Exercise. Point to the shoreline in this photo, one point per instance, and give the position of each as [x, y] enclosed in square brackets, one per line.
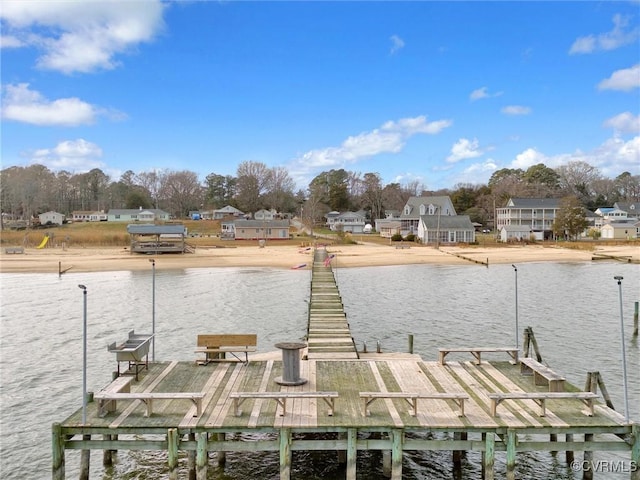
[78, 259]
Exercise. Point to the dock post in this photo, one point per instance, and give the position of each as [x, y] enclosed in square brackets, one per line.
[512, 440]
[107, 454]
[221, 457]
[57, 444]
[201, 455]
[85, 460]
[342, 454]
[635, 451]
[635, 319]
[386, 463]
[397, 437]
[285, 454]
[172, 451]
[569, 453]
[489, 455]
[352, 453]
[587, 464]
[410, 343]
[457, 457]
[191, 458]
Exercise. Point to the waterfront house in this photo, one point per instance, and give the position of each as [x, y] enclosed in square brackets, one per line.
[434, 229]
[137, 215]
[53, 218]
[417, 207]
[261, 229]
[88, 216]
[632, 209]
[331, 219]
[223, 212]
[352, 222]
[264, 214]
[535, 214]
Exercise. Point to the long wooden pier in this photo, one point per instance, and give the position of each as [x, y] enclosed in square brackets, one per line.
[419, 405]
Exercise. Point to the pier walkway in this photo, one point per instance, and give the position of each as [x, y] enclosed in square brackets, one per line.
[387, 402]
[328, 334]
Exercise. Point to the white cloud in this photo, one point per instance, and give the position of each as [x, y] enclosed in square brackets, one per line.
[21, 104]
[72, 155]
[624, 122]
[625, 80]
[516, 110]
[389, 138]
[81, 36]
[463, 149]
[616, 38]
[9, 41]
[396, 44]
[482, 92]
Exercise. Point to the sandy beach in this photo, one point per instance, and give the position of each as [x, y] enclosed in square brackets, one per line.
[78, 259]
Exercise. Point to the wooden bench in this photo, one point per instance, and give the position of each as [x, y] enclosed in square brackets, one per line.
[412, 398]
[541, 397]
[542, 375]
[215, 347]
[282, 397]
[478, 351]
[148, 397]
[119, 385]
[14, 250]
[400, 246]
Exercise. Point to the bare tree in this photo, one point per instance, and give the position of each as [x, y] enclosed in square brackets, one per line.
[183, 192]
[279, 190]
[577, 178]
[251, 186]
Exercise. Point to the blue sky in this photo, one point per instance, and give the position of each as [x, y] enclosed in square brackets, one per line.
[436, 92]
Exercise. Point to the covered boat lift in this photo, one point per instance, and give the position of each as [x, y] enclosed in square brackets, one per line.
[150, 238]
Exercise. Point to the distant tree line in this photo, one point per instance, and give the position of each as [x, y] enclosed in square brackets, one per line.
[28, 191]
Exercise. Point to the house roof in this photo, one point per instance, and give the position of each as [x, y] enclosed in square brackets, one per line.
[415, 202]
[533, 203]
[261, 223]
[133, 211]
[516, 228]
[150, 229]
[229, 209]
[447, 222]
[628, 207]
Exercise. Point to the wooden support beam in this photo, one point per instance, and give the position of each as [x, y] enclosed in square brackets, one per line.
[489, 455]
[285, 454]
[352, 453]
[191, 458]
[457, 457]
[397, 437]
[85, 461]
[587, 464]
[569, 453]
[202, 455]
[172, 453]
[221, 457]
[512, 440]
[57, 443]
[635, 450]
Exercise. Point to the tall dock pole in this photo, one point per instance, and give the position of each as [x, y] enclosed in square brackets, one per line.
[624, 355]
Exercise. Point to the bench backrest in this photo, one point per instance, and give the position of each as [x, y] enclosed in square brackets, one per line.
[228, 340]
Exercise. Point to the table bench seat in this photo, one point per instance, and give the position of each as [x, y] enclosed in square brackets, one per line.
[541, 397]
[119, 385]
[478, 351]
[542, 375]
[216, 347]
[148, 397]
[412, 398]
[281, 398]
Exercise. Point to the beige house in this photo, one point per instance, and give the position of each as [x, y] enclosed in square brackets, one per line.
[620, 231]
[261, 229]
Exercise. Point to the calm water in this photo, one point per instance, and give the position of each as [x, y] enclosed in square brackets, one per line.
[573, 309]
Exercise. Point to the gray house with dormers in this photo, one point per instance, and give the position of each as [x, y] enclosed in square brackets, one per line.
[417, 207]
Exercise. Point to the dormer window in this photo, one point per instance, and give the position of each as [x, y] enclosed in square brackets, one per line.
[423, 210]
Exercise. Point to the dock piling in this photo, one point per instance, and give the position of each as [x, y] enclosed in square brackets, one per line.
[410, 343]
[488, 455]
[512, 440]
[201, 455]
[587, 464]
[191, 458]
[85, 460]
[172, 453]
[57, 442]
[285, 454]
[569, 453]
[352, 453]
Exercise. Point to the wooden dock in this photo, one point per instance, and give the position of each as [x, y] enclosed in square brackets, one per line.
[412, 411]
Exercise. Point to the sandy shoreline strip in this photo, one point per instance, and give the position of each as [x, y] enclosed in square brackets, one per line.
[78, 259]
